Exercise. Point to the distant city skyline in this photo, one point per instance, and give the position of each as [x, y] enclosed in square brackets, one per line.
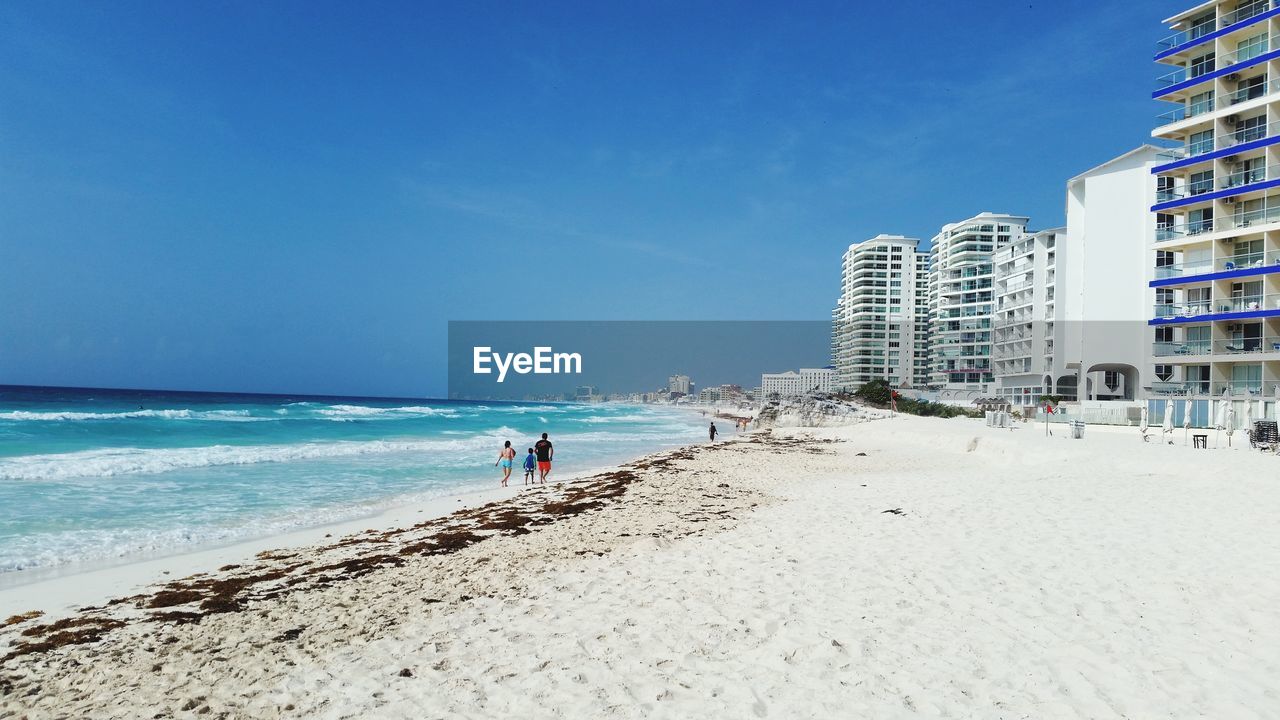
[193, 198]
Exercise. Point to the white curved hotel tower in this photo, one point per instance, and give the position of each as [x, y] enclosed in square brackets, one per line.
[1215, 326]
[962, 299]
[880, 323]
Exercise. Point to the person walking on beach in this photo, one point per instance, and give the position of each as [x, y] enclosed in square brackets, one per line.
[529, 464]
[713, 432]
[545, 453]
[505, 459]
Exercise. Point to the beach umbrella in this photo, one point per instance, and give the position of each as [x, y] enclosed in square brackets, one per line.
[1220, 422]
[1186, 420]
[1168, 419]
[1231, 422]
[1248, 416]
[1144, 424]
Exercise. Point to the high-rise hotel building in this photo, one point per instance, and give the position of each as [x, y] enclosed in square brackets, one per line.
[880, 322]
[1215, 324]
[962, 299]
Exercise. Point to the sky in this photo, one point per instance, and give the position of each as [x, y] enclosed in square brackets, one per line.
[297, 197]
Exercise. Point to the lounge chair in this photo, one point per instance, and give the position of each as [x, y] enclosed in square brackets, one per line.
[1265, 435]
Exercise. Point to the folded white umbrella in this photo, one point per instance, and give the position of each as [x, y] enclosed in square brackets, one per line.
[1168, 417]
[1248, 416]
[1221, 422]
[1186, 420]
[1231, 422]
[1144, 424]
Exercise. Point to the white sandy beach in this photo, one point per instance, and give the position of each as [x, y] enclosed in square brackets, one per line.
[1018, 576]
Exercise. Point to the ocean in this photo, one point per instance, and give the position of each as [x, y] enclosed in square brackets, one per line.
[92, 477]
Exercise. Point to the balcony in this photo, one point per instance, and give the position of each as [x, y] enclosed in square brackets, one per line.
[1240, 304]
[1244, 346]
[1195, 227]
[1191, 34]
[1241, 14]
[1188, 347]
[1222, 142]
[1205, 267]
[1204, 388]
[1245, 178]
[1244, 12]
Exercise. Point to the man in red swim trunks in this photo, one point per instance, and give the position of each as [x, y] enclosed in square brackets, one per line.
[544, 452]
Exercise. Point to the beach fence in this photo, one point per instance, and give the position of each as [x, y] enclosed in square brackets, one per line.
[1203, 410]
[1065, 414]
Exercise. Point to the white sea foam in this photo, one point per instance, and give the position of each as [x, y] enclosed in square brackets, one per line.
[357, 411]
[125, 461]
[56, 416]
[110, 462]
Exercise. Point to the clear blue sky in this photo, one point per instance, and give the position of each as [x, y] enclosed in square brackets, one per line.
[296, 197]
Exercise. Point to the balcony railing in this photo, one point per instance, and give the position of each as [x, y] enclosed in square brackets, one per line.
[1219, 306]
[1188, 347]
[1248, 177]
[1177, 230]
[1247, 134]
[1222, 142]
[1184, 111]
[1195, 32]
[1170, 79]
[1243, 346]
[1248, 92]
[1244, 12]
[1204, 267]
[1185, 309]
[1205, 388]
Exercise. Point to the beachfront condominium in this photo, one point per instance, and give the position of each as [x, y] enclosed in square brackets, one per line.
[1026, 315]
[1101, 348]
[879, 327]
[1215, 324]
[1071, 302]
[679, 384]
[793, 384]
[962, 300]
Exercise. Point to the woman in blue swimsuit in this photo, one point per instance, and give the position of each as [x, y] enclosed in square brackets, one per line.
[505, 459]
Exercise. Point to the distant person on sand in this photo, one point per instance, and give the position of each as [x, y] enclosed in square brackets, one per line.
[713, 432]
[529, 464]
[545, 452]
[505, 459]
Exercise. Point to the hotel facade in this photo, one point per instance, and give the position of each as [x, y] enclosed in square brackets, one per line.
[880, 322]
[1027, 317]
[1215, 321]
[962, 300]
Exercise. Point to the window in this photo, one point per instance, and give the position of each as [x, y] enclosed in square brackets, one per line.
[1164, 372]
[1200, 143]
[1250, 129]
[1201, 65]
[1246, 378]
[1200, 103]
[1202, 26]
[1197, 377]
[1251, 47]
[1250, 88]
[1164, 258]
[1199, 221]
[1164, 334]
[1200, 183]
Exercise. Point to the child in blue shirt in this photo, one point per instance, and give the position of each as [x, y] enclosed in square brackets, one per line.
[530, 462]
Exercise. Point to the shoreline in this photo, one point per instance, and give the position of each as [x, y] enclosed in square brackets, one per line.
[61, 590]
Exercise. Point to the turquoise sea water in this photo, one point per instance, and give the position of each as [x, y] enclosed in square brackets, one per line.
[93, 476]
